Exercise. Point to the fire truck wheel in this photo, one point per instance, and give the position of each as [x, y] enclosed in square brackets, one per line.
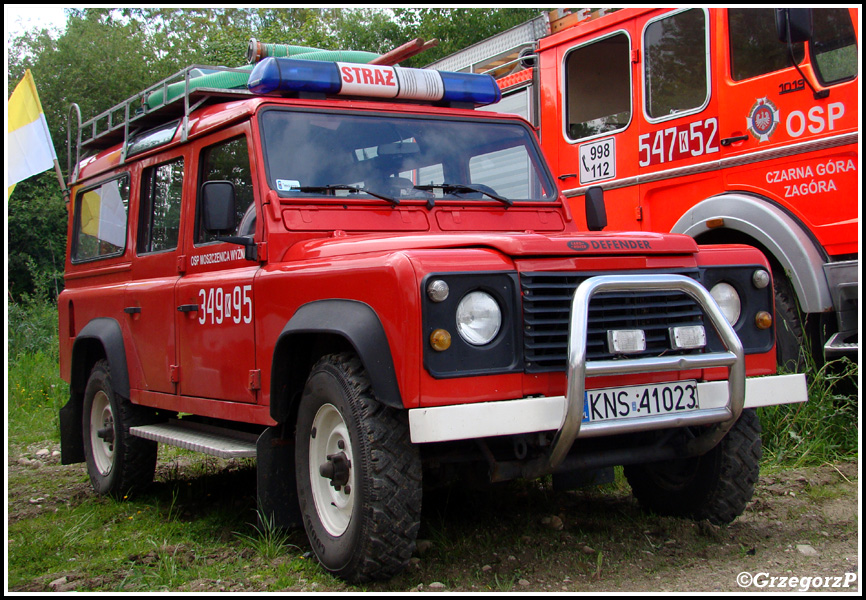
[790, 352]
[118, 462]
[359, 476]
[716, 486]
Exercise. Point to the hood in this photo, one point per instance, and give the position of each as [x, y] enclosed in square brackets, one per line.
[510, 244]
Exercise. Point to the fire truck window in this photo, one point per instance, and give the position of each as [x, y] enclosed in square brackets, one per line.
[507, 172]
[755, 49]
[598, 87]
[159, 220]
[100, 221]
[834, 45]
[675, 63]
[229, 161]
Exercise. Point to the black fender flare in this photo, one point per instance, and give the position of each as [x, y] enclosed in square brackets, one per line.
[344, 324]
[100, 338]
[104, 332]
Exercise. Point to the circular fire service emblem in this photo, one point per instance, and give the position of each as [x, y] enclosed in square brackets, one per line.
[763, 119]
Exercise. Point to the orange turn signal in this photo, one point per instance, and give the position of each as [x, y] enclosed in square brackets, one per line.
[440, 340]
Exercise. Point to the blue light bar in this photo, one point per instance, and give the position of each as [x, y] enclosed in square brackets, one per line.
[275, 74]
[470, 87]
[292, 75]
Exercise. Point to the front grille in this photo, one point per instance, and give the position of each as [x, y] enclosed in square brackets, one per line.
[547, 305]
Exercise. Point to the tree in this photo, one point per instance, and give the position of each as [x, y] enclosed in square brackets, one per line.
[456, 28]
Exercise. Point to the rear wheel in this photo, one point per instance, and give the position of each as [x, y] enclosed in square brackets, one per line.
[359, 476]
[715, 486]
[118, 462]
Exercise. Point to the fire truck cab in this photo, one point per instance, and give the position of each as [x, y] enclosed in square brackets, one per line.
[348, 273]
[731, 125]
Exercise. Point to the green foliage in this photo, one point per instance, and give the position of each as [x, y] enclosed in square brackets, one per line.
[456, 28]
[823, 429]
[37, 238]
[269, 541]
[35, 391]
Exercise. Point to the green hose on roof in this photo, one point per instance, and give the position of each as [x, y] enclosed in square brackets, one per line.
[214, 79]
[256, 51]
[237, 80]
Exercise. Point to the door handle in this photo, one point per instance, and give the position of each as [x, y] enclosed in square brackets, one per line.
[132, 310]
[733, 140]
[186, 308]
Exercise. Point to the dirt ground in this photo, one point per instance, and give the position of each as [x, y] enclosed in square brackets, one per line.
[799, 533]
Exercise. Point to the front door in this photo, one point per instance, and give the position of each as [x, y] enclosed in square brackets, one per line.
[215, 300]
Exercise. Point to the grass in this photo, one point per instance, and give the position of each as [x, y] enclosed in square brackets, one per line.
[822, 430]
[198, 528]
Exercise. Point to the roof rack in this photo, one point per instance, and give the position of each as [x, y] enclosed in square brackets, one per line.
[176, 96]
[180, 94]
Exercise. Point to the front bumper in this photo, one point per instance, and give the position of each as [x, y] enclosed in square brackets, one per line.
[530, 415]
[721, 402]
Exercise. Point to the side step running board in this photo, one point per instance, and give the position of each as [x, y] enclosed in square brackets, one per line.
[216, 441]
[839, 345]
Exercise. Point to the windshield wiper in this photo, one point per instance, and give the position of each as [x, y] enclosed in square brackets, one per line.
[451, 188]
[349, 188]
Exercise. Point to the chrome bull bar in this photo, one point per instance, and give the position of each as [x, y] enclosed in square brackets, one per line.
[578, 368]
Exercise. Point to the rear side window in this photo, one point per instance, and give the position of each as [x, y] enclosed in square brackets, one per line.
[676, 77]
[100, 220]
[159, 221]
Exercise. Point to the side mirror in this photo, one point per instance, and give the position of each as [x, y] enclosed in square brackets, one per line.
[596, 216]
[794, 25]
[218, 206]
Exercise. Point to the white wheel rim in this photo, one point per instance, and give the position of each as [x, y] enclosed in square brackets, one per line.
[330, 436]
[101, 417]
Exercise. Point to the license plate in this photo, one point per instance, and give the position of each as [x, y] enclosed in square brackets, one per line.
[611, 404]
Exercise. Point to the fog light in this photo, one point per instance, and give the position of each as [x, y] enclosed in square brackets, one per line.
[687, 337]
[440, 340]
[626, 341]
[763, 320]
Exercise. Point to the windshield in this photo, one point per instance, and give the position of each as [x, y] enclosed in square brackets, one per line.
[395, 158]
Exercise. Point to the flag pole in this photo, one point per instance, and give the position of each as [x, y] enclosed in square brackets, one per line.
[63, 187]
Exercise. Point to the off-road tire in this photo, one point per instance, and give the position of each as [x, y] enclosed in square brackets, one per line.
[716, 486]
[371, 535]
[790, 336]
[121, 464]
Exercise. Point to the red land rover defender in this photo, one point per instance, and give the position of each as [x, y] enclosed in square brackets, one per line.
[348, 273]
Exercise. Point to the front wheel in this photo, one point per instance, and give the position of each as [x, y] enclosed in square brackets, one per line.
[359, 476]
[715, 486]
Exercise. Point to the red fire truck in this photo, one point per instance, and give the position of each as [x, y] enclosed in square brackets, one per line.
[729, 125]
[347, 272]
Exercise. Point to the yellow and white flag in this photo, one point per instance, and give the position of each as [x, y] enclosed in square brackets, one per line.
[29, 148]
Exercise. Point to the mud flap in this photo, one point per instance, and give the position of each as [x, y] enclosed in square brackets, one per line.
[71, 442]
[275, 479]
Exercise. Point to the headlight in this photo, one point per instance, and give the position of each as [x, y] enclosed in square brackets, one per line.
[728, 300]
[478, 318]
